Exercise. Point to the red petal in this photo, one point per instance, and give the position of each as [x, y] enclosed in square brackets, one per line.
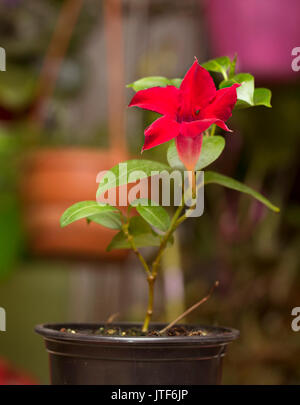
[221, 107]
[222, 125]
[197, 89]
[163, 100]
[162, 130]
[194, 128]
[189, 149]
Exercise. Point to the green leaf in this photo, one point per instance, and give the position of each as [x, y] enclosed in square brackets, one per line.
[147, 82]
[212, 148]
[142, 233]
[219, 65]
[83, 209]
[154, 81]
[121, 177]
[176, 82]
[216, 178]
[119, 241]
[245, 93]
[154, 214]
[108, 219]
[262, 96]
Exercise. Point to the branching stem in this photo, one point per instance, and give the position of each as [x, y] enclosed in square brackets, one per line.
[134, 248]
[151, 279]
[152, 271]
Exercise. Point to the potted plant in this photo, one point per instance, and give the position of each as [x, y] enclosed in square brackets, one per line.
[146, 353]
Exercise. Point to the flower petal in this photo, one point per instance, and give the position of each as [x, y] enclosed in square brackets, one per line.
[163, 100]
[196, 90]
[189, 149]
[194, 128]
[222, 105]
[222, 125]
[162, 130]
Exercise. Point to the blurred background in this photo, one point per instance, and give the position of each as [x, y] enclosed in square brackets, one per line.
[63, 118]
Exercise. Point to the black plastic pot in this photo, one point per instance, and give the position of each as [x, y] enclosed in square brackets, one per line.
[84, 359]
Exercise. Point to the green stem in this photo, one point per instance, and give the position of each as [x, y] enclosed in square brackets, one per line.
[151, 280]
[134, 248]
[186, 214]
[165, 240]
[153, 273]
[213, 130]
[225, 75]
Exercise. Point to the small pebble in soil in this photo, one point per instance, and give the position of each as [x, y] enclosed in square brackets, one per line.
[68, 330]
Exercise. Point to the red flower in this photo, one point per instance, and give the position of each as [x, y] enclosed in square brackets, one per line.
[187, 112]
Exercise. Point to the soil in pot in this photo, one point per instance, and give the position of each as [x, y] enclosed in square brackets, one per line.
[111, 330]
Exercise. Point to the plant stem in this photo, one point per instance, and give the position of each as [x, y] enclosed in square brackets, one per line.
[185, 215]
[225, 75]
[153, 273]
[213, 130]
[135, 250]
[151, 280]
[175, 222]
[166, 237]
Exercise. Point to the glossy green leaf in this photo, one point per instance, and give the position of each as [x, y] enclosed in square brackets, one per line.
[108, 219]
[154, 214]
[216, 178]
[122, 176]
[262, 96]
[219, 65]
[147, 82]
[83, 209]
[142, 233]
[212, 148]
[154, 81]
[245, 93]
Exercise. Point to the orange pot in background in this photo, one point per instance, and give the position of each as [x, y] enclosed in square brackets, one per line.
[51, 181]
[54, 179]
